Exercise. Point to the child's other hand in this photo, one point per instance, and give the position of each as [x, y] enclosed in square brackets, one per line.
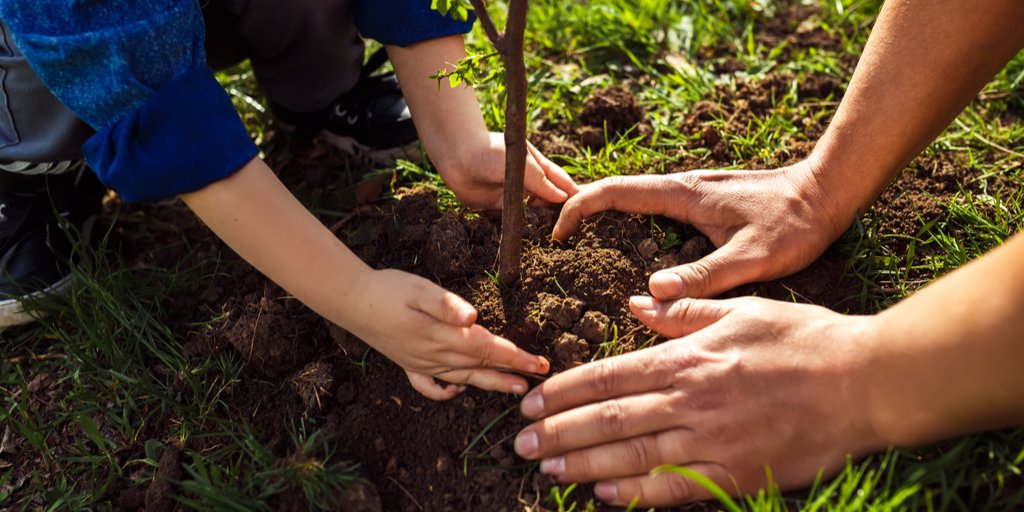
[430, 332]
[477, 174]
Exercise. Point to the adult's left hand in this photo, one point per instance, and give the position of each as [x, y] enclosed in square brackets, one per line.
[748, 383]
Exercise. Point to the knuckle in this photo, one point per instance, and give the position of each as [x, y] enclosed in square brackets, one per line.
[637, 454]
[603, 379]
[700, 277]
[679, 487]
[612, 418]
[486, 355]
[683, 309]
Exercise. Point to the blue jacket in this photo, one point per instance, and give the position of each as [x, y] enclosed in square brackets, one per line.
[135, 70]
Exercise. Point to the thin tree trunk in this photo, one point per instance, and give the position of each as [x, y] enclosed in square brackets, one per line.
[513, 218]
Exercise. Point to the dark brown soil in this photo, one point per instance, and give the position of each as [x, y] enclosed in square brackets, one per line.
[569, 306]
[609, 113]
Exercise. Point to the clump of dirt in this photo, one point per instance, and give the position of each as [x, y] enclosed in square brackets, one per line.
[159, 495]
[614, 111]
[272, 335]
[314, 384]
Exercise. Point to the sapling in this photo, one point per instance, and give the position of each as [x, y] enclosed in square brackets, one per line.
[509, 46]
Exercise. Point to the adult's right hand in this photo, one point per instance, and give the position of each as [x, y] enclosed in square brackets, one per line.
[765, 224]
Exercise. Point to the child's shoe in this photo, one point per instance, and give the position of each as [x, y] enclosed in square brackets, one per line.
[372, 120]
[35, 248]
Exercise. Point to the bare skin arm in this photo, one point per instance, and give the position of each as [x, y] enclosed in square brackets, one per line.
[469, 158]
[923, 63]
[425, 329]
[750, 383]
[412, 321]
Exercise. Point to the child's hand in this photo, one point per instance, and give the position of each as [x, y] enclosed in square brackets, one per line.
[477, 175]
[430, 332]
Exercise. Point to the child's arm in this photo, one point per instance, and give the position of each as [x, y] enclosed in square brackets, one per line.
[166, 128]
[469, 158]
[412, 321]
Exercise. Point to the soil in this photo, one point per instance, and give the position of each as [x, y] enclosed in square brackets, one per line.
[572, 298]
[571, 301]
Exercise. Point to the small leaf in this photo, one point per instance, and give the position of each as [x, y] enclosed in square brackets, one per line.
[92, 431]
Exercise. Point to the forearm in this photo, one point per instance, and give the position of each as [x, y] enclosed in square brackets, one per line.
[447, 118]
[947, 361]
[260, 220]
[924, 61]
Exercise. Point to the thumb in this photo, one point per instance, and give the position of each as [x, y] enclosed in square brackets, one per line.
[728, 267]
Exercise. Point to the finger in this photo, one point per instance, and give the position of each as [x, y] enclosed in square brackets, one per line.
[488, 380]
[728, 267]
[429, 388]
[636, 372]
[602, 422]
[664, 489]
[554, 172]
[624, 458]
[444, 305]
[485, 349]
[649, 195]
[538, 184]
[678, 318]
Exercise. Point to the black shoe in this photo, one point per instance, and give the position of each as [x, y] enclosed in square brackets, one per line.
[372, 120]
[35, 248]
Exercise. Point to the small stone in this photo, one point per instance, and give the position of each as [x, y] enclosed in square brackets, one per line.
[443, 464]
[647, 248]
[693, 249]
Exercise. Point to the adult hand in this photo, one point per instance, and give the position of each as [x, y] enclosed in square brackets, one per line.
[766, 224]
[752, 383]
[477, 174]
[431, 332]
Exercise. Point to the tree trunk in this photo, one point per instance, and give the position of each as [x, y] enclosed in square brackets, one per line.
[513, 217]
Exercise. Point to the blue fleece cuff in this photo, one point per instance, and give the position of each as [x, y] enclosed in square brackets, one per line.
[405, 22]
[185, 136]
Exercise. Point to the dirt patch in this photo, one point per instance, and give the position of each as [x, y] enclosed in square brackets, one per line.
[794, 28]
[732, 109]
[571, 303]
[610, 113]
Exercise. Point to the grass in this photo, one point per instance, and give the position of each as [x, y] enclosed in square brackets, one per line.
[123, 386]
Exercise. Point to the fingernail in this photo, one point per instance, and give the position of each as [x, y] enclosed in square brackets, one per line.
[518, 389]
[533, 405]
[667, 284]
[555, 466]
[527, 444]
[642, 302]
[607, 492]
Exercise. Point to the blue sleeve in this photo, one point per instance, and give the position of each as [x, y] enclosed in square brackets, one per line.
[405, 22]
[136, 72]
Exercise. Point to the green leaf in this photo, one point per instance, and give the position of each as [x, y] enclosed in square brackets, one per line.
[92, 431]
[701, 480]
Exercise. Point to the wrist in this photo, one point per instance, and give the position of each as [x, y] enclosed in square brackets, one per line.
[865, 401]
[458, 149]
